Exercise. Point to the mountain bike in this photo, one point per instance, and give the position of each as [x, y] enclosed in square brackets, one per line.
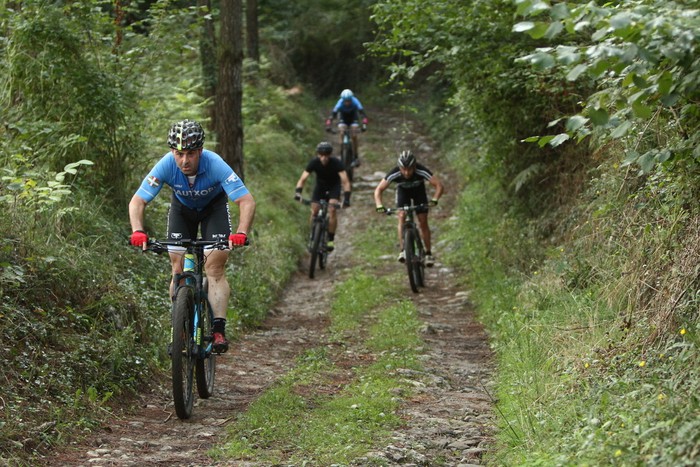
[191, 342]
[413, 248]
[318, 239]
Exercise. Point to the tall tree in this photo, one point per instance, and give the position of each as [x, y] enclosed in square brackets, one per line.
[252, 40]
[207, 50]
[229, 95]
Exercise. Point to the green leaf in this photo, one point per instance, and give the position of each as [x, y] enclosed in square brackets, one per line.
[541, 60]
[641, 110]
[621, 130]
[553, 30]
[575, 122]
[544, 140]
[576, 72]
[647, 161]
[523, 26]
[599, 116]
[531, 139]
[559, 139]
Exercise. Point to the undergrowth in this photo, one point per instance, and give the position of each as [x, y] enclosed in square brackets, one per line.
[595, 324]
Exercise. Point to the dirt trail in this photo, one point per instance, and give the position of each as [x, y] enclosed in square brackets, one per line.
[448, 420]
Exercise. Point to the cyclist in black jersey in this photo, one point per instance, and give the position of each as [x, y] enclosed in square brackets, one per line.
[330, 178]
[410, 178]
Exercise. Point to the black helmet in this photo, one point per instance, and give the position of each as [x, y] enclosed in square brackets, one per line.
[325, 148]
[406, 159]
[186, 134]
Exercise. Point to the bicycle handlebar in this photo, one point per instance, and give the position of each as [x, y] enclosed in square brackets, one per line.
[391, 211]
[161, 246]
[308, 202]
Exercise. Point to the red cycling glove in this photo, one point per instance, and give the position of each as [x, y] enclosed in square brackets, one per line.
[238, 239]
[364, 121]
[138, 238]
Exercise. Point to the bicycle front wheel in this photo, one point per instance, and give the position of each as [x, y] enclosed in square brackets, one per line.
[347, 156]
[323, 251]
[409, 247]
[181, 353]
[315, 247]
[206, 360]
[420, 263]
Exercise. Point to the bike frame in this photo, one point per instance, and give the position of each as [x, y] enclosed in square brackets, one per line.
[317, 246]
[197, 357]
[414, 253]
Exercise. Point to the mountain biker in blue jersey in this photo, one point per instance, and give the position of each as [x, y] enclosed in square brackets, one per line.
[348, 110]
[202, 183]
[330, 178]
[410, 178]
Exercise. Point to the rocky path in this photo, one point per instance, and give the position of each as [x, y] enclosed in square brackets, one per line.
[448, 419]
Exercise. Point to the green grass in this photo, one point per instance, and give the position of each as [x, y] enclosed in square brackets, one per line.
[596, 343]
[306, 419]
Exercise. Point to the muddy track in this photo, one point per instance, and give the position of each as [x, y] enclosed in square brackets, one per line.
[448, 418]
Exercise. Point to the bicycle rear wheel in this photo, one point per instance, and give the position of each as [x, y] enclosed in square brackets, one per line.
[409, 248]
[206, 360]
[181, 353]
[315, 246]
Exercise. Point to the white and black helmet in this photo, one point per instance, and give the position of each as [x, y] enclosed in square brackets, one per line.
[406, 159]
[186, 134]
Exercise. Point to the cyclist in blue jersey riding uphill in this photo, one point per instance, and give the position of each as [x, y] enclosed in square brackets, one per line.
[202, 183]
[348, 110]
[330, 178]
[410, 178]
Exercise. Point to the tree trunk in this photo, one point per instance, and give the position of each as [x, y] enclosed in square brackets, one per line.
[252, 40]
[229, 96]
[207, 51]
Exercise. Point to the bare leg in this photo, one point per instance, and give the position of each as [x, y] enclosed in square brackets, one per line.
[424, 230]
[219, 289]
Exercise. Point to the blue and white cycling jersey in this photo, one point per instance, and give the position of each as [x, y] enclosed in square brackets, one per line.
[214, 175]
[356, 106]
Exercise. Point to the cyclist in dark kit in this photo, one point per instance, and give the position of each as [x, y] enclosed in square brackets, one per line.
[202, 184]
[330, 178]
[410, 178]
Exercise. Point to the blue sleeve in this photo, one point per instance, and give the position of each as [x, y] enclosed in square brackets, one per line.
[357, 102]
[337, 105]
[152, 184]
[230, 181]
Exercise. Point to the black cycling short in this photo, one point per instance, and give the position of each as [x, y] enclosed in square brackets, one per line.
[418, 195]
[214, 219]
[326, 192]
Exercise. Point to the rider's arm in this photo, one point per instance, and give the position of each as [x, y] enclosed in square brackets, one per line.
[246, 205]
[137, 207]
[304, 175]
[437, 184]
[383, 185]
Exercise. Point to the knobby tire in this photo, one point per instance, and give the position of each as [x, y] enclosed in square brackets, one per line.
[410, 255]
[323, 251]
[346, 153]
[420, 263]
[315, 246]
[181, 353]
[206, 360]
